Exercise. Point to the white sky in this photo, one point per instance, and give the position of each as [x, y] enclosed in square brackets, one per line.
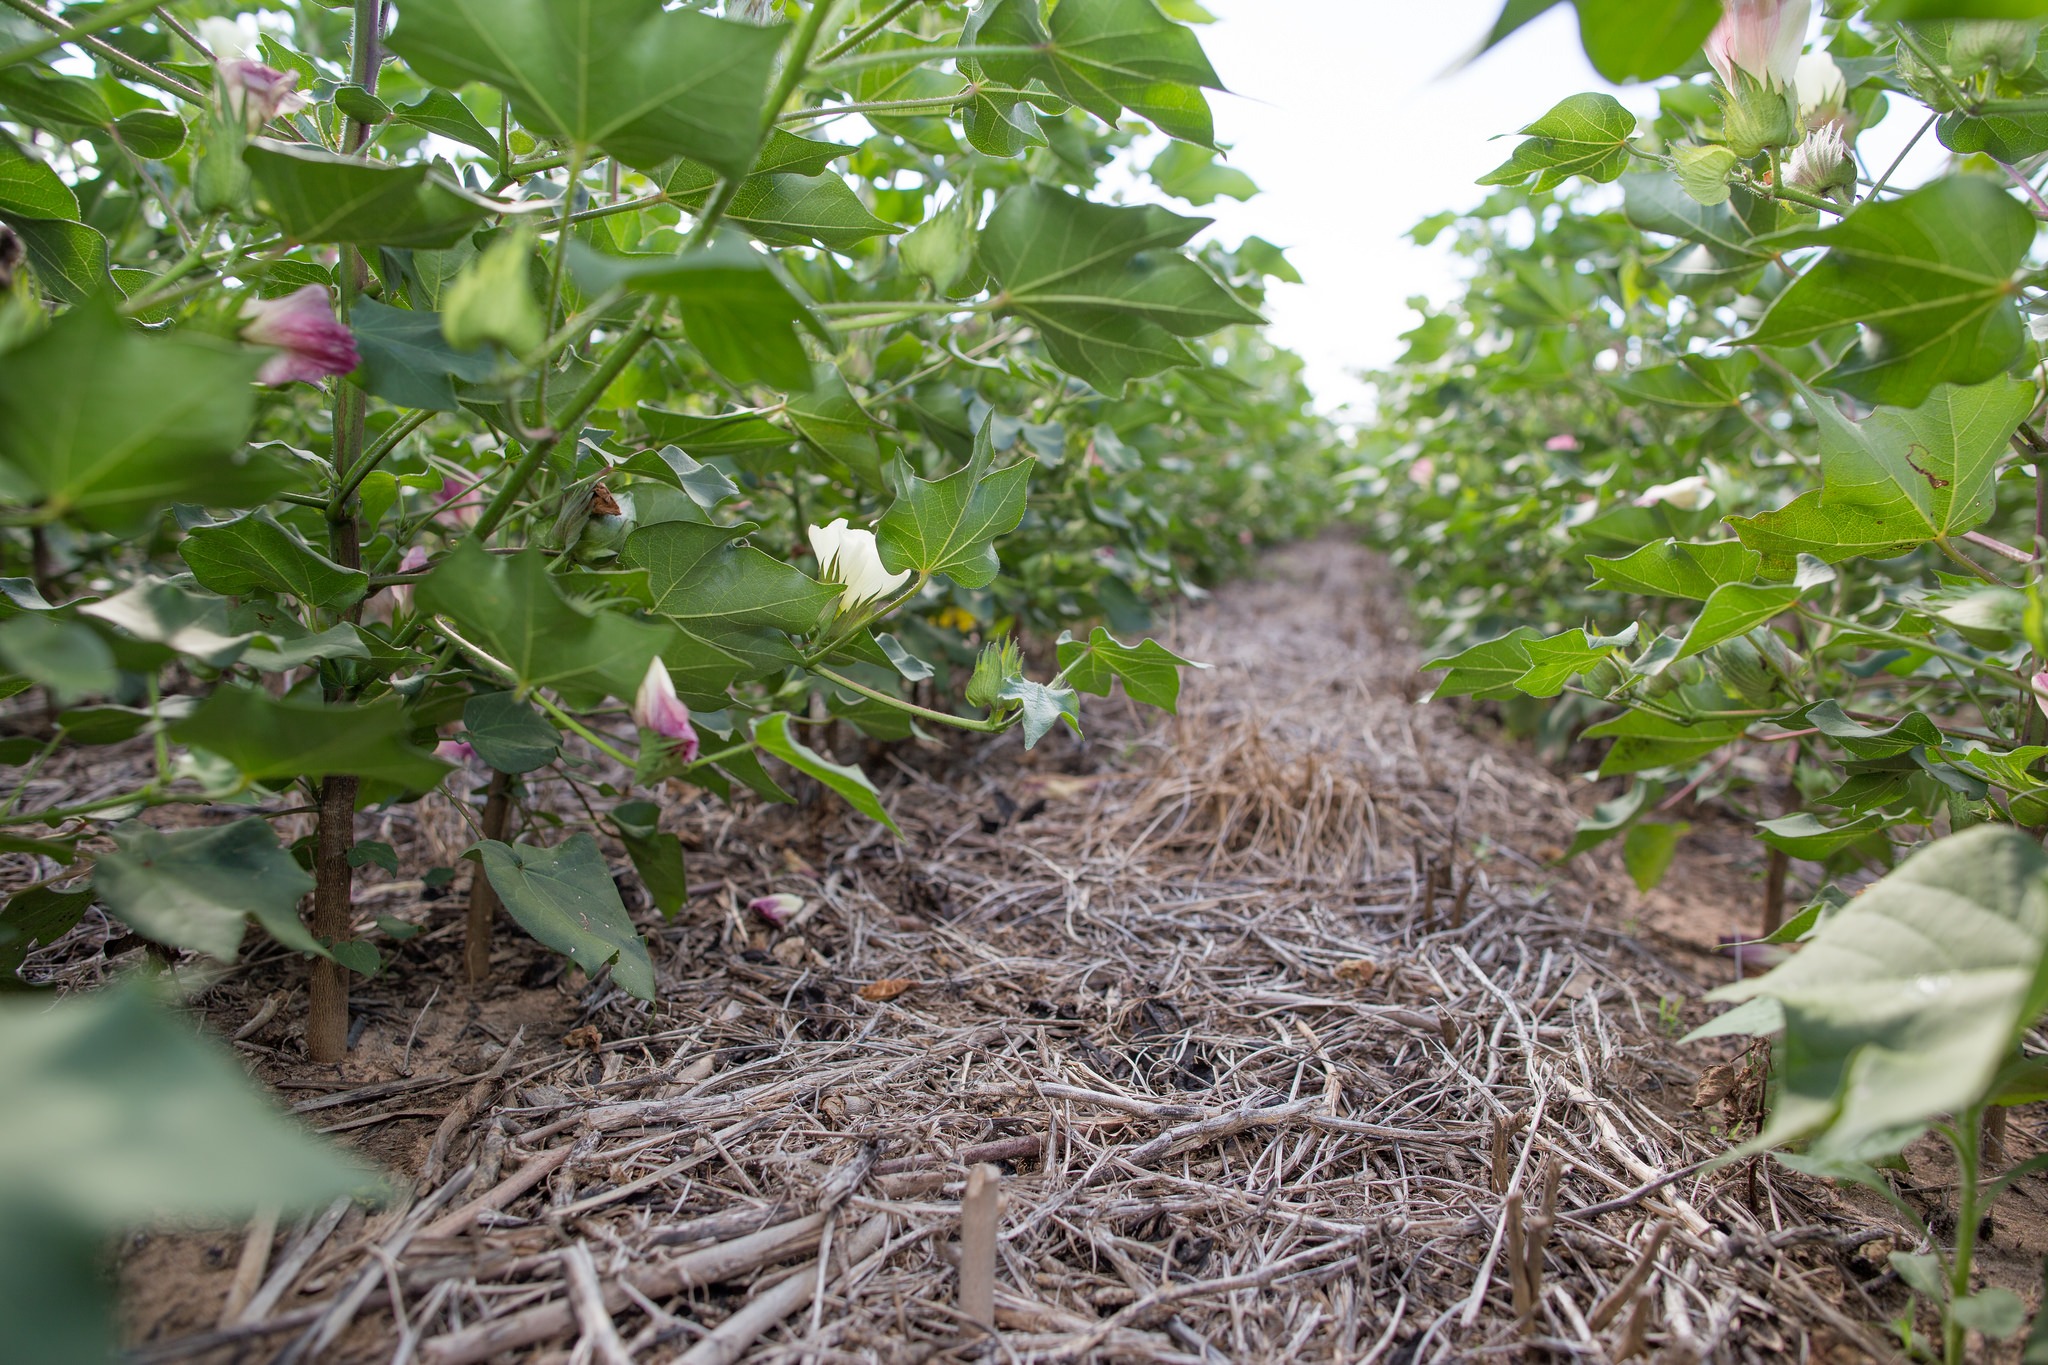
[1348, 115]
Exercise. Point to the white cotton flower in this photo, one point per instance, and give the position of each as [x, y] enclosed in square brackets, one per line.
[231, 40]
[850, 557]
[1821, 89]
[1687, 495]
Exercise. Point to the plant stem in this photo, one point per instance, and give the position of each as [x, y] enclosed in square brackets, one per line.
[1903, 641]
[483, 897]
[113, 16]
[586, 398]
[376, 455]
[986, 727]
[1962, 101]
[825, 111]
[540, 380]
[933, 54]
[99, 47]
[1968, 1146]
[1900, 159]
[333, 877]
[865, 31]
[577, 727]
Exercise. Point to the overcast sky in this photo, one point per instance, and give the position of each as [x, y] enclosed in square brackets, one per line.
[1349, 116]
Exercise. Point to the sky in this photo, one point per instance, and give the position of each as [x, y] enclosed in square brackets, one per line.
[1356, 120]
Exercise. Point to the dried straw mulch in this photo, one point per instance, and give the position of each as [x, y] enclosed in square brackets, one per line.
[1275, 1038]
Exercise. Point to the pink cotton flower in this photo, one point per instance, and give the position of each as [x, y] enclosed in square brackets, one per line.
[2040, 684]
[311, 342]
[259, 93]
[454, 751]
[1564, 443]
[1760, 40]
[776, 909]
[401, 595]
[658, 708]
[454, 511]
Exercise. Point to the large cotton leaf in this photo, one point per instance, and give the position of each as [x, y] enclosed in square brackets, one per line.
[642, 82]
[510, 607]
[1927, 471]
[1106, 56]
[1906, 1002]
[1626, 40]
[199, 888]
[564, 896]
[1930, 277]
[103, 424]
[272, 739]
[316, 196]
[949, 525]
[1104, 285]
[701, 580]
[254, 553]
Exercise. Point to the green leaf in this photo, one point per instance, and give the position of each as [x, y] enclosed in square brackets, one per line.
[1106, 56]
[706, 583]
[1703, 172]
[1921, 1272]
[1930, 275]
[1725, 247]
[1735, 609]
[782, 208]
[1997, 1313]
[41, 95]
[1648, 850]
[36, 918]
[1923, 11]
[1110, 296]
[949, 525]
[1925, 471]
[1806, 526]
[643, 83]
[1150, 671]
[152, 134]
[439, 112]
[407, 359]
[657, 857]
[1555, 661]
[1696, 382]
[1803, 836]
[731, 433]
[316, 196]
[199, 888]
[509, 734]
[1043, 707]
[176, 434]
[565, 897]
[30, 188]
[1906, 1003]
[1487, 671]
[254, 553]
[1627, 40]
[70, 259]
[1610, 818]
[1188, 172]
[772, 733]
[64, 656]
[120, 1113]
[1644, 740]
[1584, 135]
[736, 308]
[271, 739]
[373, 853]
[1677, 568]
[832, 419]
[510, 606]
[162, 613]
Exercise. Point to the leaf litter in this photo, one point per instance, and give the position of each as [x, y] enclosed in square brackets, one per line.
[1280, 1038]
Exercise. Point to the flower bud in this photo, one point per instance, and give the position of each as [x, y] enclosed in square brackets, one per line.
[454, 751]
[777, 909]
[658, 710]
[605, 530]
[1757, 43]
[1820, 164]
[310, 341]
[1000, 662]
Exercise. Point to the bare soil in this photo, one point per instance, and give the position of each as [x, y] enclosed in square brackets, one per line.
[1284, 1035]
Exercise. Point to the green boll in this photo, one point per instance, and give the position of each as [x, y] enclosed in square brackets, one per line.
[492, 299]
[1001, 663]
[1604, 677]
[2003, 45]
[1741, 671]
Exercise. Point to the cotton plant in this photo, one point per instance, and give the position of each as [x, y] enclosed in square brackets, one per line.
[1792, 558]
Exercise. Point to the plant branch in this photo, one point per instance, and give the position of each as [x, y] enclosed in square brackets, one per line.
[113, 16]
[107, 52]
[987, 727]
[866, 31]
